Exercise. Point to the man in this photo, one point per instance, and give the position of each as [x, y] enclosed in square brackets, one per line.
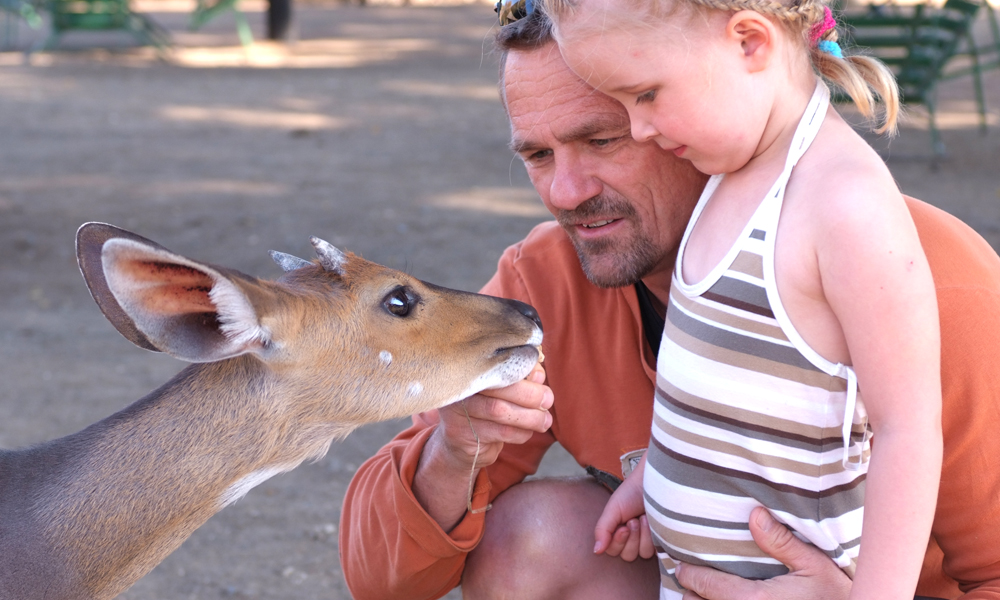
[409, 527]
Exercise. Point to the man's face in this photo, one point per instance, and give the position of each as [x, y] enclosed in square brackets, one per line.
[623, 204]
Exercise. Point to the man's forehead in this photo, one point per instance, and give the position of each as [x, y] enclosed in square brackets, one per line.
[545, 97]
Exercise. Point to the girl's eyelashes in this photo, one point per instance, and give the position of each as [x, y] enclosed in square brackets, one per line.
[644, 97]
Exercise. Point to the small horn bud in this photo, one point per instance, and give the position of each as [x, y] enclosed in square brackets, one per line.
[331, 258]
[287, 262]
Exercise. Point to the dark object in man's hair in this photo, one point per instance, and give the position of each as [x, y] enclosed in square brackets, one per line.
[528, 33]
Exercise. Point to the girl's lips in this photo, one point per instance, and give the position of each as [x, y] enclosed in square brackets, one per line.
[679, 150]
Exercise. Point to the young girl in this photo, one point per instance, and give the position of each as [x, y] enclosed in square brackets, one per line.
[799, 283]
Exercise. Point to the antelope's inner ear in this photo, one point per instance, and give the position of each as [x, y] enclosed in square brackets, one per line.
[184, 308]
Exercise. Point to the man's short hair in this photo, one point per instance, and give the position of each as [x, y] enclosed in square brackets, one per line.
[529, 33]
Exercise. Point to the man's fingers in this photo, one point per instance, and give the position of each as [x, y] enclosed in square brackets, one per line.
[813, 574]
[508, 414]
[777, 541]
[528, 393]
[537, 374]
[706, 582]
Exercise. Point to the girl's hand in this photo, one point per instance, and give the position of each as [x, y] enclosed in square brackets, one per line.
[622, 529]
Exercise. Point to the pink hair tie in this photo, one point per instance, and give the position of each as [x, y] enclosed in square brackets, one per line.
[822, 27]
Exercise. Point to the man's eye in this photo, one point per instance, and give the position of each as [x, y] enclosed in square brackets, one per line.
[646, 97]
[602, 142]
[541, 154]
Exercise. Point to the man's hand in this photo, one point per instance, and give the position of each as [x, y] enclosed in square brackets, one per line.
[509, 415]
[812, 574]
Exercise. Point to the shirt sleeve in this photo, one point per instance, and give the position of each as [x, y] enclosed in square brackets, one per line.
[389, 546]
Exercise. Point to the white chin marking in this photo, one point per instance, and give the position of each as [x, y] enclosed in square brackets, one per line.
[502, 375]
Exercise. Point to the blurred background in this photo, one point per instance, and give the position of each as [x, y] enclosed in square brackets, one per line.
[376, 126]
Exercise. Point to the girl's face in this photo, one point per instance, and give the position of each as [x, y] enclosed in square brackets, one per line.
[683, 82]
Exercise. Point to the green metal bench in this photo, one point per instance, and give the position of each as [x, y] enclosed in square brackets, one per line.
[918, 43]
[982, 57]
[206, 10]
[103, 15]
[279, 17]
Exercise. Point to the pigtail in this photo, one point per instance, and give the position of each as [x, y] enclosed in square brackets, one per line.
[865, 79]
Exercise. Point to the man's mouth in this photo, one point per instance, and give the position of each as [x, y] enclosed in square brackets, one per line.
[597, 224]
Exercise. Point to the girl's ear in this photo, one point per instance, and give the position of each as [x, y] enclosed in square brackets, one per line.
[756, 36]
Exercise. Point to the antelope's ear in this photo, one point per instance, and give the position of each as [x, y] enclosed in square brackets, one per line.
[165, 302]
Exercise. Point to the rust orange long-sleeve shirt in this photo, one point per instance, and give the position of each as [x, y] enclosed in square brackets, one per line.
[602, 373]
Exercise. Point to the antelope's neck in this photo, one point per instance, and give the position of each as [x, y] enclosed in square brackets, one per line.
[115, 499]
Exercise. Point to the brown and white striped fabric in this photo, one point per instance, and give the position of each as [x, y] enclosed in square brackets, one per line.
[746, 414]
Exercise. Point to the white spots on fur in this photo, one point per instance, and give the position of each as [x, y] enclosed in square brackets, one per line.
[416, 388]
[248, 482]
[385, 357]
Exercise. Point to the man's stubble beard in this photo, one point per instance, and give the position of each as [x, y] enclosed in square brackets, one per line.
[612, 263]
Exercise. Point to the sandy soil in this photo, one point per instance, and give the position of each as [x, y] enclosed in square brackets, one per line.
[379, 130]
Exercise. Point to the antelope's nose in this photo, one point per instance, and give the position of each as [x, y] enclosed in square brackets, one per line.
[528, 311]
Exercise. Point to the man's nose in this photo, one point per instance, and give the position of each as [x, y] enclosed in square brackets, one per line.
[572, 184]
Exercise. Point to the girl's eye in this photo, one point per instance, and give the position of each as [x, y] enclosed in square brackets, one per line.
[646, 97]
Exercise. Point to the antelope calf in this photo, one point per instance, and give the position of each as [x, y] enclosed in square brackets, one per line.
[281, 369]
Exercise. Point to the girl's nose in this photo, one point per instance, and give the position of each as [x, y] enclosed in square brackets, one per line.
[642, 130]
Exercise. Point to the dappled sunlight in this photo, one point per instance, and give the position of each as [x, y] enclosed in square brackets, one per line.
[951, 115]
[305, 54]
[231, 187]
[55, 182]
[503, 201]
[251, 118]
[170, 188]
[439, 90]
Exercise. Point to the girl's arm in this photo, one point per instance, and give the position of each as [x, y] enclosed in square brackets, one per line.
[622, 529]
[876, 280]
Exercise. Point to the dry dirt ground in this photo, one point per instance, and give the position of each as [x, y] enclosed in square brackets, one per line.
[379, 130]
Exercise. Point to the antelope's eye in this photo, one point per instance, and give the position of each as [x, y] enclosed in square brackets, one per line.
[399, 302]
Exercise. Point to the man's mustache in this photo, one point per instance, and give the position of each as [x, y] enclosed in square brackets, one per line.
[604, 205]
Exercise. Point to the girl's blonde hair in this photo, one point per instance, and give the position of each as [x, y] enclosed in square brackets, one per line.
[865, 79]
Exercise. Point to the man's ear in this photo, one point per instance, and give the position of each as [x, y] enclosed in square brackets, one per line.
[756, 35]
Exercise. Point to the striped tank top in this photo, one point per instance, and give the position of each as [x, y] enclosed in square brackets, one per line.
[746, 414]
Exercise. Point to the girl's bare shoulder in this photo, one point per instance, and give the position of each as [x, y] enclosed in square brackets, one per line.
[842, 180]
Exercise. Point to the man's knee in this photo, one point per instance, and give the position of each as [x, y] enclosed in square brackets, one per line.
[539, 542]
